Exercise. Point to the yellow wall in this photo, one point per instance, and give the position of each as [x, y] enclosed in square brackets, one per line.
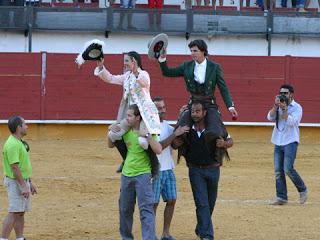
[96, 132]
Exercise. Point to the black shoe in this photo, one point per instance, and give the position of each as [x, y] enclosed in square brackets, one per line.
[155, 166]
[119, 170]
[122, 148]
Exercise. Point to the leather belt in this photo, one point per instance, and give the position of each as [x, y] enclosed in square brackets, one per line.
[204, 166]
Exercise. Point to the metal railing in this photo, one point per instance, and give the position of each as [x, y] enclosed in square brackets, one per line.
[171, 21]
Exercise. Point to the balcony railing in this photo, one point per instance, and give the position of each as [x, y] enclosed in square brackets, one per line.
[172, 21]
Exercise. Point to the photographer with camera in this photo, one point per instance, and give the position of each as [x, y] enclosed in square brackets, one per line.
[285, 136]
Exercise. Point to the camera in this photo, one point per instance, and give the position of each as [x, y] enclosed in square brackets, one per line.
[283, 99]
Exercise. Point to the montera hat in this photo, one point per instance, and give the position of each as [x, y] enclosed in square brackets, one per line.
[157, 45]
[92, 51]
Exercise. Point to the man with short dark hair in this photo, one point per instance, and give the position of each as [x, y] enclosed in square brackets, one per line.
[17, 171]
[287, 114]
[204, 169]
[136, 181]
[165, 184]
[201, 77]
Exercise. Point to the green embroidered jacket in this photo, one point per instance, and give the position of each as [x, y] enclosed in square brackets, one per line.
[214, 76]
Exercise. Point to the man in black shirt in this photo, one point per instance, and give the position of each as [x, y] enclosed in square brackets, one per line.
[204, 169]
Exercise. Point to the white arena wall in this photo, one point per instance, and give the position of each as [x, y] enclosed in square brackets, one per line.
[54, 42]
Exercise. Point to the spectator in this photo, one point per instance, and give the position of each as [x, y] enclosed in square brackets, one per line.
[293, 3]
[206, 2]
[17, 171]
[247, 3]
[266, 4]
[187, 4]
[220, 3]
[155, 7]
[126, 5]
[33, 3]
[287, 114]
[298, 4]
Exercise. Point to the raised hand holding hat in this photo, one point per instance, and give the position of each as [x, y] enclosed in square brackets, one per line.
[157, 46]
[93, 50]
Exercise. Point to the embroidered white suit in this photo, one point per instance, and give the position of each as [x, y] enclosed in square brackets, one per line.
[136, 90]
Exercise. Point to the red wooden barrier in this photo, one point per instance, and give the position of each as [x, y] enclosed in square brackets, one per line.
[75, 94]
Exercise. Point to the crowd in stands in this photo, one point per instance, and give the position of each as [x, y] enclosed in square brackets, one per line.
[299, 5]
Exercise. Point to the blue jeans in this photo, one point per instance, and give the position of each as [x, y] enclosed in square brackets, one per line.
[299, 3]
[284, 157]
[139, 187]
[128, 3]
[204, 184]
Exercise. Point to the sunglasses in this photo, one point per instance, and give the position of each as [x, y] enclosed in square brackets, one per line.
[26, 145]
[283, 93]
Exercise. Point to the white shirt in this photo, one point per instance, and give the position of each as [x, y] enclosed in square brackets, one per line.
[200, 71]
[288, 130]
[198, 132]
[165, 157]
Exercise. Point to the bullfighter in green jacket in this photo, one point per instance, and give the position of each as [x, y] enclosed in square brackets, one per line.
[201, 77]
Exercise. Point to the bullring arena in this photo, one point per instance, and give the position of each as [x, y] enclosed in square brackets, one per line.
[79, 188]
[68, 111]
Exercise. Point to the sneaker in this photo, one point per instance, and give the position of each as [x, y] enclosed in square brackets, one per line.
[143, 142]
[303, 197]
[278, 202]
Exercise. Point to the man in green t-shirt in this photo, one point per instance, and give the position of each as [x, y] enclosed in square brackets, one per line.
[17, 171]
[136, 181]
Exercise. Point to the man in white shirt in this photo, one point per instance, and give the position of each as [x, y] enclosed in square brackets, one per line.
[165, 184]
[285, 136]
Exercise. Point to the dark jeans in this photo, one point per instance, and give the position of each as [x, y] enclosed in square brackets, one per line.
[284, 3]
[204, 184]
[284, 158]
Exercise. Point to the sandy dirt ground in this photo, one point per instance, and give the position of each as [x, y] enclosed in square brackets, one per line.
[79, 188]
